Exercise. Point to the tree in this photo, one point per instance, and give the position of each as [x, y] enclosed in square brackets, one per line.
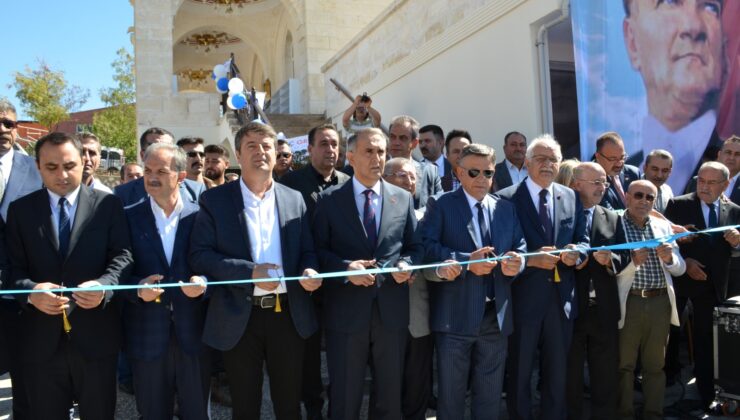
[45, 94]
[116, 126]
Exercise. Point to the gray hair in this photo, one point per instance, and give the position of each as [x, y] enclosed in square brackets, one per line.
[659, 153]
[718, 167]
[545, 140]
[405, 119]
[394, 164]
[477, 149]
[179, 160]
[365, 132]
[6, 106]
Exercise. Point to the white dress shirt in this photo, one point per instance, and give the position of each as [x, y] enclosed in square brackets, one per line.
[517, 175]
[440, 163]
[71, 209]
[687, 145]
[376, 202]
[473, 204]
[728, 191]
[6, 165]
[97, 185]
[263, 231]
[534, 192]
[167, 225]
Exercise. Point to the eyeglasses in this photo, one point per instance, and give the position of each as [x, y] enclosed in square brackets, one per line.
[284, 155]
[195, 154]
[9, 124]
[540, 159]
[404, 174]
[639, 195]
[596, 182]
[614, 159]
[473, 173]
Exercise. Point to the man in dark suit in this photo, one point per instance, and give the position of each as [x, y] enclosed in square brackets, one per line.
[511, 170]
[18, 177]
[611, 156]
[68, 236]
[455, 141]
[543, 298]
[310, 181]
[134, 191]
[363, 223]
[403, 138]
[163, 328]
[595, 331]
[707, 259]
[471, 305]
[431, 145]
[729, 155]
[257, 229]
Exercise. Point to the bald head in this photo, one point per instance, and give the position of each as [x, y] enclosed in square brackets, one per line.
[590, 183]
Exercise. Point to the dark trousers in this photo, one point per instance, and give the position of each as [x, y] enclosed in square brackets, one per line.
[551, 332]
[484, 357]
[157, 380]
[10, 355]
[312, 385]
[417, 376]
[53, 385]
[702, 340]
[348, 355]
[270, 339]
[597, 344]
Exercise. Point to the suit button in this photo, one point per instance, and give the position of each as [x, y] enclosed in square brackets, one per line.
[249, 298]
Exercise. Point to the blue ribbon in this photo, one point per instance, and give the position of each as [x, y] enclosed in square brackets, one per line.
[650, 243]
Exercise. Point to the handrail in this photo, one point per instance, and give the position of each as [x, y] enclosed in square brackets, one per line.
[340, 87]
[253, 109]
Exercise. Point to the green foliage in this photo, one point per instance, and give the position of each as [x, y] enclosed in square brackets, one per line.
[116, 126]
[45, 94]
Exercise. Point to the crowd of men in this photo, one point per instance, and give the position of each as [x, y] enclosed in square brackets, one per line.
[181, 228]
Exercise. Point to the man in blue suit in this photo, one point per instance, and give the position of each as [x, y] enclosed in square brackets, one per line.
[257, 229]
[163, 327]
[543, 297]
[18, 177]
[611, 156]
[134, 191]
[471, 305]
[363, 223]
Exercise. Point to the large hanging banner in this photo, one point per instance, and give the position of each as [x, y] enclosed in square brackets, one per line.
[654, 71]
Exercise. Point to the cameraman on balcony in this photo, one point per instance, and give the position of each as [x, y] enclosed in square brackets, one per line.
[360, 115]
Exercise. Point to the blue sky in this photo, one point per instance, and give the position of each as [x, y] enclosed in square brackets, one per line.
[80, 37]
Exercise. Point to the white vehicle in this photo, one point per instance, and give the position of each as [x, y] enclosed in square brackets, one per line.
[111, 158]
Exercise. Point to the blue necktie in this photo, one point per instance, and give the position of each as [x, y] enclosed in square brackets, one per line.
[713, 222]
[485, 238]
[368, 220]
[65, 229]
[545, 217]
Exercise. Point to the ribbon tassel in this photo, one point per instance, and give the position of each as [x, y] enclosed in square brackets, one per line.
[277, 303]
[67, 325]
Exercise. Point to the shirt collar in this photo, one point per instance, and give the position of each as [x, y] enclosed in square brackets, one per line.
[71, 197]
[535, 189]
[472, 202]
[359, 188]
[159, 212]
[250, 197]
[511, 166]
[7, 159]
[705, 205]
[320, 177]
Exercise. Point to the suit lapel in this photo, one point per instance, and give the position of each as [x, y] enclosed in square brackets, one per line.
[464, 209]
[181, 236]
[148, 225]
[17, 176]
[722, 219]
[238, 202]
[698, 213]
[526, 204]
[558, 205]
[43, 210]
[347, 198]
[85, 206]
[281, 205]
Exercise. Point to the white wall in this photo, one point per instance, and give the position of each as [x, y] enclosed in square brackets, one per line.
[478, 73]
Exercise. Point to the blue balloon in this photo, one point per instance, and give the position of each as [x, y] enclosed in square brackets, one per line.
[213, 76]
[222, 84]
[239, 101]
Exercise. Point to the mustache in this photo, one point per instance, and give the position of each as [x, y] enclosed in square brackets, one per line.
[154, 184]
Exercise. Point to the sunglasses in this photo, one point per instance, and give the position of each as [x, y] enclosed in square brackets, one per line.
[473, 173]
[284, 155]
[639, 195]
[195, 154]
[9, 124]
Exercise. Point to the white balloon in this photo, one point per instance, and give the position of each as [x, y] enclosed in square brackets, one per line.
[229, 103]
[220, 71]
[236, 85]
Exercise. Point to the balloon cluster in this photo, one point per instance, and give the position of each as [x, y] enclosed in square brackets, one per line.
[235, 86]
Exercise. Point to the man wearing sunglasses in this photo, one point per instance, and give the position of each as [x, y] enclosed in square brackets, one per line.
[471, 305]
[611, 156]
[707, 263]
[18, 177]
[647, 302]
[284, 163]
[196, 158]
[543, 297]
